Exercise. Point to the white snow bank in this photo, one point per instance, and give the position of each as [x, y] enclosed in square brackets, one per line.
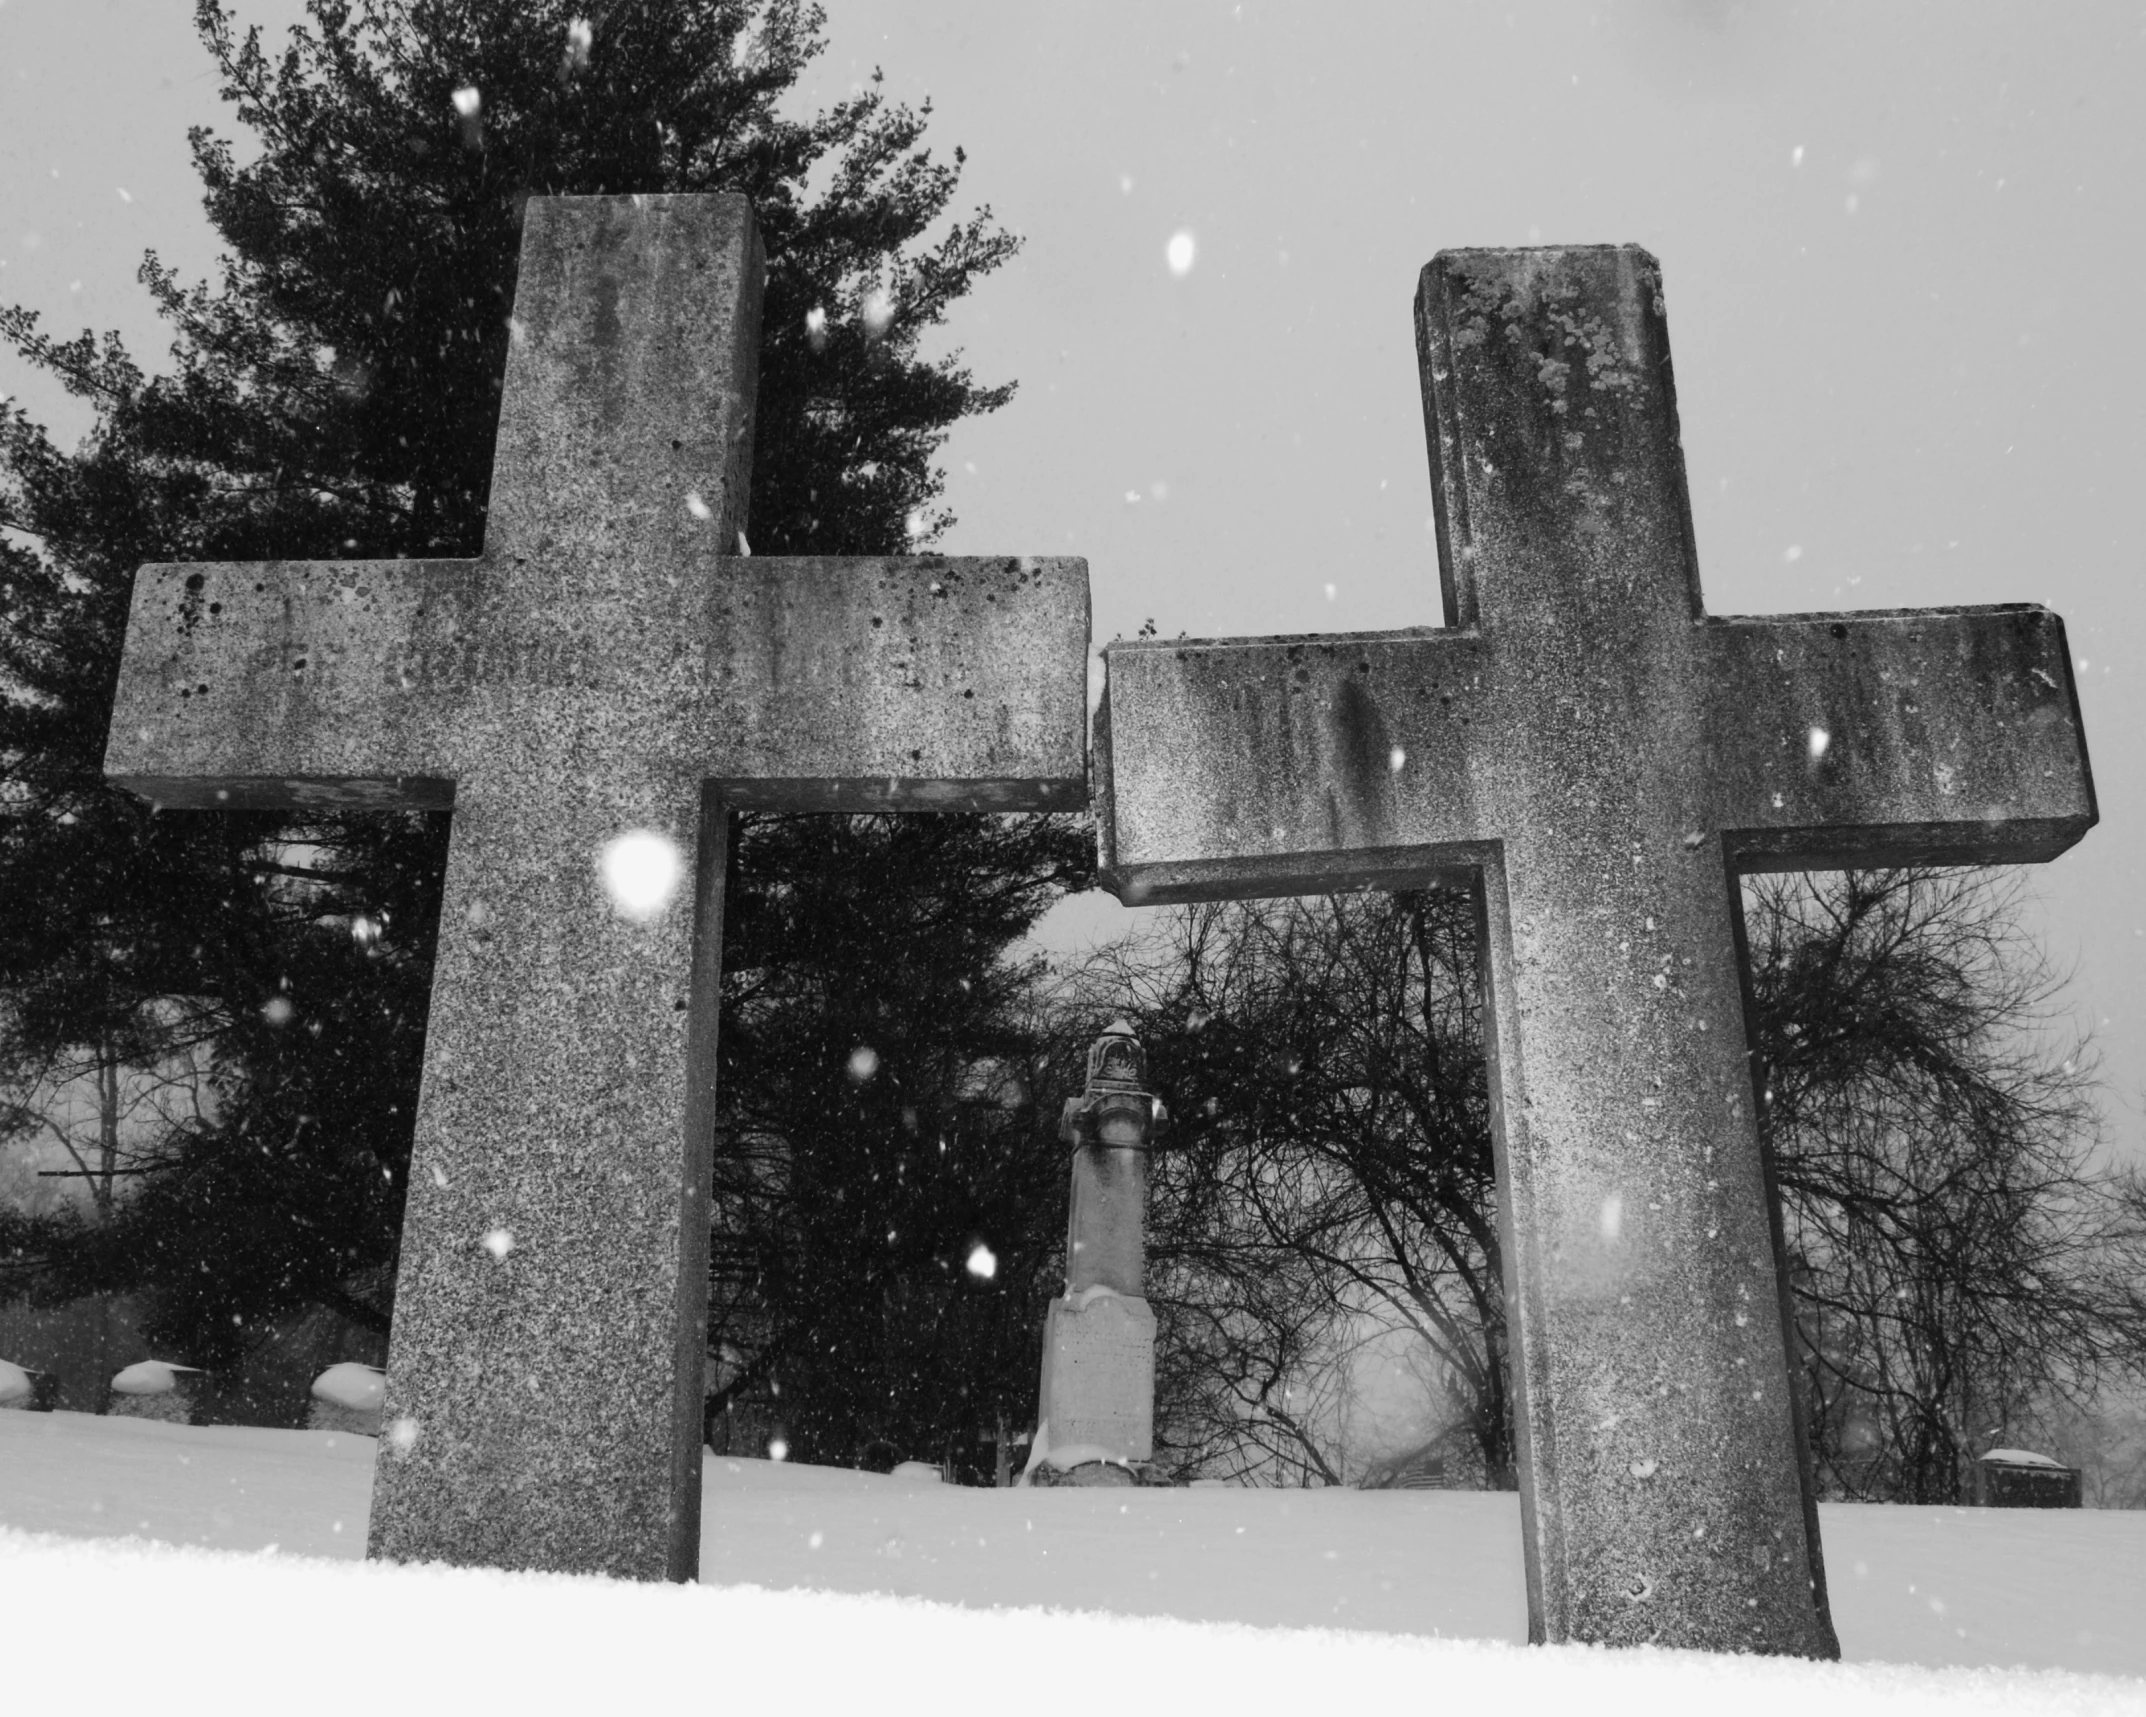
[227, 1487]
[1938, 1587]
[14, 1382]
[361, 1388]
[917, 1470]
[149, 1377]
[473, 1640]
[2021, 1458]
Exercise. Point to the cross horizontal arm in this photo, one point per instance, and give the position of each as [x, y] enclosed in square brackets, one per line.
[1914, 736]
[1266, 766]
[294, 682]
[814, 684]
[905, 683]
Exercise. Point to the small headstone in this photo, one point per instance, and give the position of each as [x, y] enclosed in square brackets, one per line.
[1421, 1468]
[348, 1397]
[156, 1389]
[878, 1456]
[2019, 1478]
[26, 1390]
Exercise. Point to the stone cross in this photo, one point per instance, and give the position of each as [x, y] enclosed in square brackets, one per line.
[1097, 1404]
[608, 679]
[1600, 759]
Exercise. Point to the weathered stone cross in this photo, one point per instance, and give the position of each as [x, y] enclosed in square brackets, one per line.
[607, 668]
[1603, 758]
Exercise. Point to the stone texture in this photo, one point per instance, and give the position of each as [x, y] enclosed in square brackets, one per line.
[1099, 1379]
[1999, 1483]
[1106, 1227]
[1097, 1403]
[1599, 758]
[608, 664]
[330, 1416]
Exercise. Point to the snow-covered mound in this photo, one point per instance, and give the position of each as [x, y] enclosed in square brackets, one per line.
[360, 1388]
[1943, 1588]
[14, 1383]
[461, 1640]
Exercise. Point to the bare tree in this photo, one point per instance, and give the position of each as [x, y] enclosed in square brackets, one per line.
[1967, 1270]
[1963, 1264]
[78, 1121]
[1329, 1180]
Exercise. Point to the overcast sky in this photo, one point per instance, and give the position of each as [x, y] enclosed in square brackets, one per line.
[1902, 247]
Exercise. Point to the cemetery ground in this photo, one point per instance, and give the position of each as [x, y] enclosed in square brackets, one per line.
[820, 1584]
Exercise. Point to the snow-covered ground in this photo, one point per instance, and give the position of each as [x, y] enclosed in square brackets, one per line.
[812, 1578]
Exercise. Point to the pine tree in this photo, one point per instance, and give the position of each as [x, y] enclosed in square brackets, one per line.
[889, 1107]
[334, 393]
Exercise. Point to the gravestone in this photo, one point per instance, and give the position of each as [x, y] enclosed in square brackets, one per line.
[1598, 758]
[28, 1390]
[608, 677]
[1096, 1406]
[2020, 1478]
[347, 1397]
[156, 1389]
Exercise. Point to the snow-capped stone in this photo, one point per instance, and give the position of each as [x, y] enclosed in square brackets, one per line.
[2021, 1458]
[149, 1377]
[360, 1388]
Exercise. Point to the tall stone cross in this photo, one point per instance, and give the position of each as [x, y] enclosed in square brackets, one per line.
[607, 670]
[1602, 758]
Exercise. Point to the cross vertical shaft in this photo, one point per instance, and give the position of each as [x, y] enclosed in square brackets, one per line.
[1643, 1284]
[558, 1199]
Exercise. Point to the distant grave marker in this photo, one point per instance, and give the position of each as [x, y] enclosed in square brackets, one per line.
[1600, 759]
[156, 1389]
[2021, 1478]
[1096, 1405]
[591, 696]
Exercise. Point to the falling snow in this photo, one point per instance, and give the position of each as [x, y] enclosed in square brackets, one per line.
[641, 870]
